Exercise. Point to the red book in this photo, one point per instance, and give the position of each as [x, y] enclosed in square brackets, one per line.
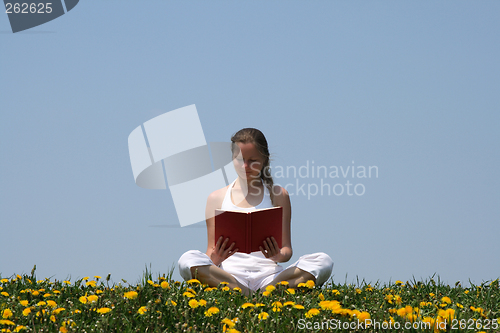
[249, 229]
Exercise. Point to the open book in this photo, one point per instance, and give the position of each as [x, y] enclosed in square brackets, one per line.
[249, 229]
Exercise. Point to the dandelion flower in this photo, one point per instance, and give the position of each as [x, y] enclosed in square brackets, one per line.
[26, 312]
[164, 285]
[363, 316]
[103, 310]
[7, 313]
[211, 311]
[312, 312]
[202, 302]
[289, 303]
[91, 283]
[24, 302]
[171, 302]
[446, 300]
[270, 288]
[51, 303]
[290, 291]
[130, 294]
[5, 294]
[93, 298]
[299, 306]
[83, 299]
[193, 303]
[310, 284]
[58, 310]
[228, 322]
[142, 310]
[193, 281]
[226, 288]
[335, 292]
[6, 322]
[237, 289]
[19, 328]
[263, 315]
[247, 305]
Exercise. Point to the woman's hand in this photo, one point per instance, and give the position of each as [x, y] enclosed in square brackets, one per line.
[271, 249]
[219, 251]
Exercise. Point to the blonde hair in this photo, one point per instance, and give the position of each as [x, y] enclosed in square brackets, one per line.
[253, 135]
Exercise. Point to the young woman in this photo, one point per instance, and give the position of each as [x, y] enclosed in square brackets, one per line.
[253, 189]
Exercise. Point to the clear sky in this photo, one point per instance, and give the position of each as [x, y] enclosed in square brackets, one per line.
[408, 87]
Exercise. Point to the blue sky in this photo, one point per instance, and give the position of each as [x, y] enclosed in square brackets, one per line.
[409, 87]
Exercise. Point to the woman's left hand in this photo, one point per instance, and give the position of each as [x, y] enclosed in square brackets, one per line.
[271, 249]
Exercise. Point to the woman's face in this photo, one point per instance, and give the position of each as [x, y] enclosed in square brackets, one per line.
[248, 162]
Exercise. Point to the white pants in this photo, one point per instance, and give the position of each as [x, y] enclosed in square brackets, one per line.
[254, 270]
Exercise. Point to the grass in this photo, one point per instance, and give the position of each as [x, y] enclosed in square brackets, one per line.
[161, 304]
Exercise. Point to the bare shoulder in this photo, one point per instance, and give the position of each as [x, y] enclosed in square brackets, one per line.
[216, 198]
[281, 196]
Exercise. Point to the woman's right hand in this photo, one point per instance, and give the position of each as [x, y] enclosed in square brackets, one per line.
[219, 251]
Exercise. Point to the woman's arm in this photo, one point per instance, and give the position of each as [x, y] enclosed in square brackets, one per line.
[220, 250]
[281, 198]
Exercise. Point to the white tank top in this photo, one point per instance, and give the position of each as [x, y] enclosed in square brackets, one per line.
[227, 203]
[236, 259]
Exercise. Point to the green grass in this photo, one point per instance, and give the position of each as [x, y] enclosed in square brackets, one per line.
[160, 304]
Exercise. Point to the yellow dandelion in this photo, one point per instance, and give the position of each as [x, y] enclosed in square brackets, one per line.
[363, 316]
[130, 294]
[232, 330]
[277, 306]
[259, 305]
[226, 288]
[312, 312]
[270, 288]
[193, 281]
[91, 283]
[52, 318]
[193, 303]
[35, 293]
[51, 303]
[83, 299]
[263, 315]
[170, 302]
[358, 291]
[142, 310]
[23, 302]
[67, 282]
[321, 297]
[6, 294]
[19, 328]
[399, 283]
[446, 300]
[289, 303]
[7, 313]
[247, 305]
[93, 298]
[6, 322]
[335, 292]
[299, 306]
[211, 311]
[164, 285]
[266, 293]
[202, 302]
[188, 294]
[58, 310]
[224, 283]
[290, 291]
[228, 322]
[26, 312]
[310, 284]
[283, 283]
[103, 310]
[237, 289]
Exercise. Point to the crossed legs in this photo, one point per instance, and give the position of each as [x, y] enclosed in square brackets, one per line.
[213, 276]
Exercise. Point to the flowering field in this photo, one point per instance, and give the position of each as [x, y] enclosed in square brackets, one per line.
[163, 305]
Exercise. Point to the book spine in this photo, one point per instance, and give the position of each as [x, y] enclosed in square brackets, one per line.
[248, 235]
